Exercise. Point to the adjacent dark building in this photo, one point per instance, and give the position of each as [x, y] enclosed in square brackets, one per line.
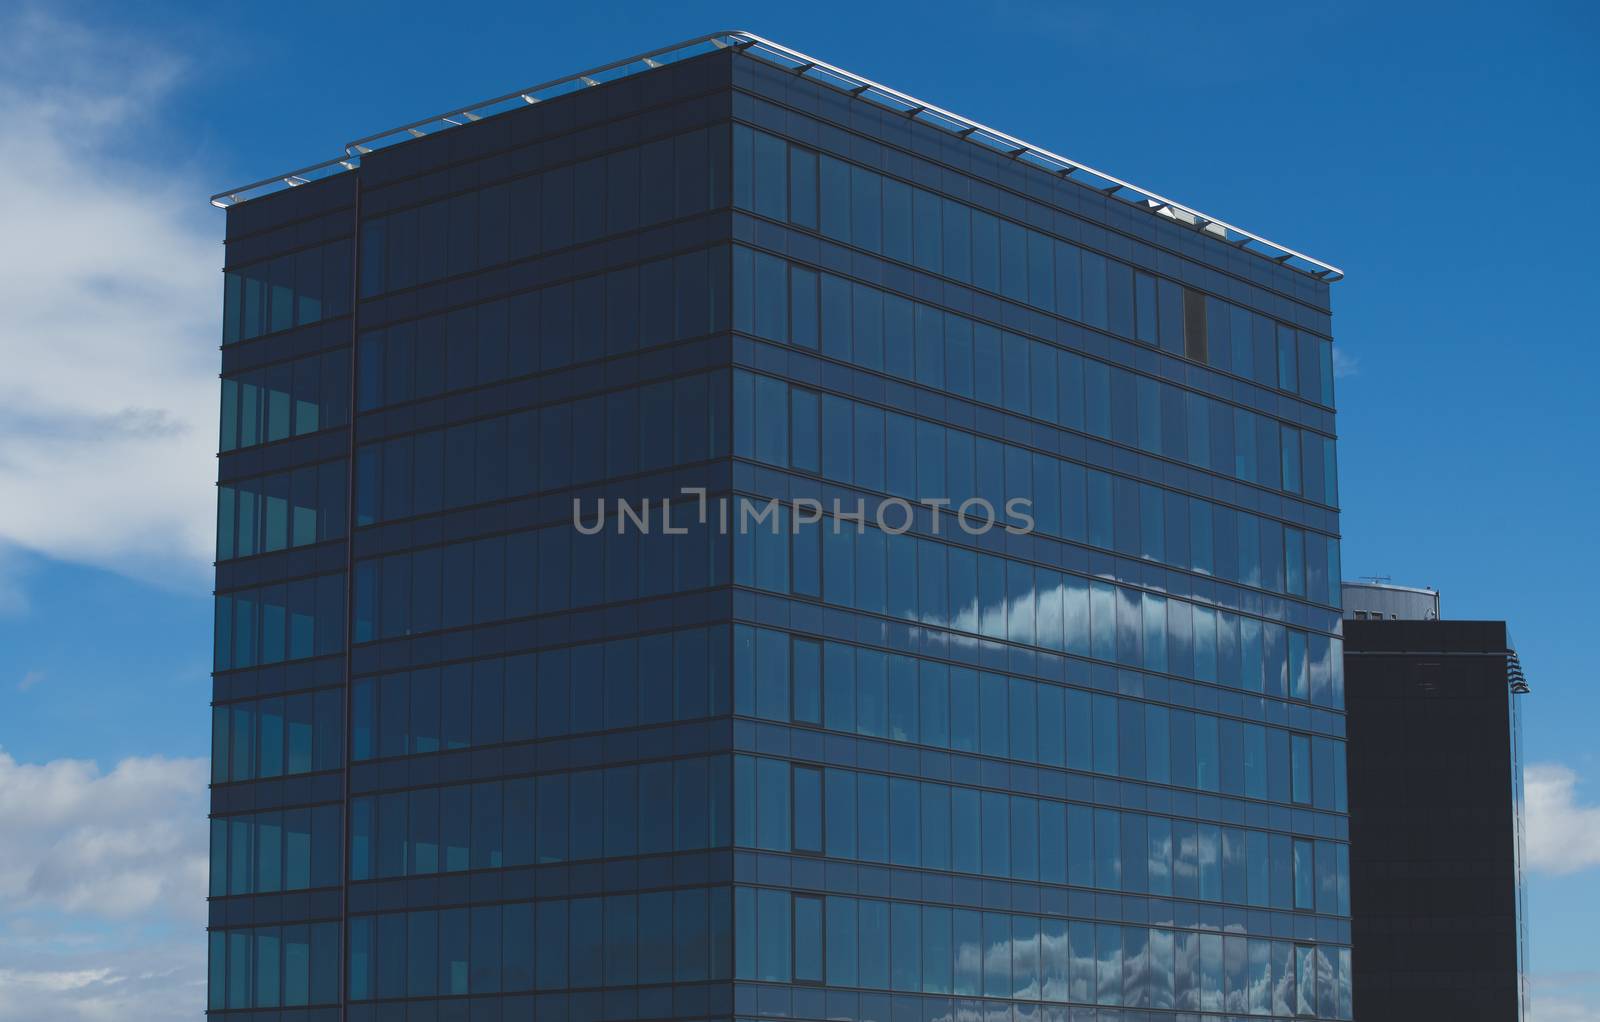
[475, 760]
[1436, 824]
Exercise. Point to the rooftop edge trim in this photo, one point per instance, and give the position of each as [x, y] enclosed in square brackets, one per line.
[816, 70]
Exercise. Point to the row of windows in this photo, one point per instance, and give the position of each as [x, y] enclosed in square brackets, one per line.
[292, 290]
[851, 442]
[949, 586]
[901, 821]
[291, 509]
[618, 940]
[684, 936]
[653, 679]
[606, 314]
[642, 429]
[524, 573]
[291, 399]
[877, 213]
[489, 579]
[623, 191]
[288, 621]
[558, 568]
[628, 810]
[269, 966]
[276, 737]
[263, 853]
[680, 806]
[902, 698]
[581, 441]
[1033, 378]
[881, 945]
[601, 686]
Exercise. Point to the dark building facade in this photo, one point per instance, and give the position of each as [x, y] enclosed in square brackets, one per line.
[1436, 820]
[853, 757]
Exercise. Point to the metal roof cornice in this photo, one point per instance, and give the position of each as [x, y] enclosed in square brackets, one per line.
[818, 70]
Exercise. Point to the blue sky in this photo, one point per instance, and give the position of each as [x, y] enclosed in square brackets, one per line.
[1440, 155]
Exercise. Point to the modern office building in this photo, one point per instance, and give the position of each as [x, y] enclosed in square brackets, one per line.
[481, 757]
[1436, 827]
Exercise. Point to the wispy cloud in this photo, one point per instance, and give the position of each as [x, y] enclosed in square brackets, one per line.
[1344, 364]
[1561, 1009]
[1563, 832]
[108, 295]
[101, 980]
[29, 680]
[13, 593]
[1565, 997]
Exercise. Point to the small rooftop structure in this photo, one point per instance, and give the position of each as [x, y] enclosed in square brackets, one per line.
[1378, 599]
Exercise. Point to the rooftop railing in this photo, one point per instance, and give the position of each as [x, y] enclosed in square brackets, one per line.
[809, 67]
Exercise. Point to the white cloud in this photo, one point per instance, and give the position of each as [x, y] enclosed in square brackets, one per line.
[29, 680]
[74, 839]
[1563, 834]
[102, 889]
[109, 312]
[109, 296]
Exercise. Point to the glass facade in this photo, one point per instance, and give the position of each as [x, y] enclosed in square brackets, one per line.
[475, 759]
